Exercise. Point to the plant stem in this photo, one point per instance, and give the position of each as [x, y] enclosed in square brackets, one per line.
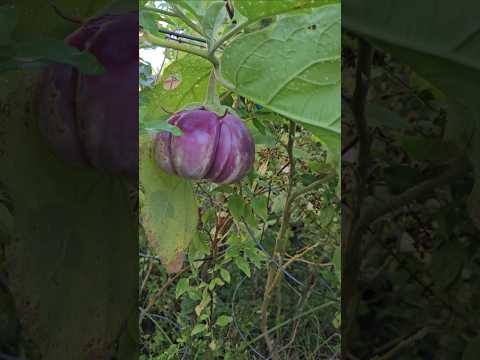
[159, 294]
[187, 21]
[227, 36]
[273, 274]
[280, 241]
[177, 46]
[160, 11]
[159, 327]
[351, 244]
[374, 213]
[212, 97]
[317, 183]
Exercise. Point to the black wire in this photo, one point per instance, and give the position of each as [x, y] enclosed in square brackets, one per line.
[285, 272]
[180, 35]
[242, 335]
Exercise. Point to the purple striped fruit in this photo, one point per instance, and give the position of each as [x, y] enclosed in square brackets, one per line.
[218, 148]
[92, 120]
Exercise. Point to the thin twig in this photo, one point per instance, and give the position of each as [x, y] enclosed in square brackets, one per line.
[405, 342]
[387, 206]
[286, 322]
[145, 279]
[324, 178]
[160, 292]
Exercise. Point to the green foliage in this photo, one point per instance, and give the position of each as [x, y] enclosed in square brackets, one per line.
[224, 256]
[444, 56]
[259, 9]
[183, 82]
[211, 308]
[169, 210]
[423, 118]
[292, 72]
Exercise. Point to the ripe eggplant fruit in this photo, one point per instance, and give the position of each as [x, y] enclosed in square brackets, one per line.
[92, 120]
[218, 148]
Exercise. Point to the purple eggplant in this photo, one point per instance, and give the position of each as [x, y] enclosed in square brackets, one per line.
[92, 120]
[218, 148]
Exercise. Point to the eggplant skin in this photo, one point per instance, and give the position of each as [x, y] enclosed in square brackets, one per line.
[92, 120]
[217, 148]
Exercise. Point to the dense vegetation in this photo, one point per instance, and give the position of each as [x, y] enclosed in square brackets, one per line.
[262, 272]
[410, 180]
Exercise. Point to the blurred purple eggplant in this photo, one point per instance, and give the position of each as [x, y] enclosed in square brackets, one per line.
[218, 148]
[92, 120]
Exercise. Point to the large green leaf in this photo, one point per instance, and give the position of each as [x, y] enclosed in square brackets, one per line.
[258, 9]
[199, 9]
[212, 21]
[291, 67]
[442, 45]
[183, 82]
[169, 212]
